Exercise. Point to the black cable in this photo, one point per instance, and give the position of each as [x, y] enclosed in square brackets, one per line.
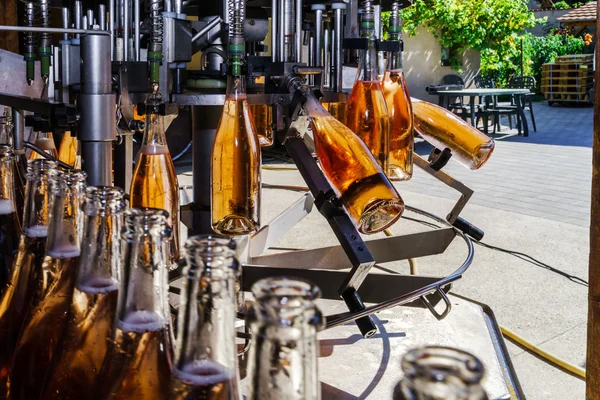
[517, 254]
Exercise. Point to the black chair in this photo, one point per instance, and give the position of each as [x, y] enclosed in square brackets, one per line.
[458, 106]
[486, 103]
[525, 82]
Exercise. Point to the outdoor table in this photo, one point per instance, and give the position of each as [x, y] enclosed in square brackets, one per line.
[477, 92]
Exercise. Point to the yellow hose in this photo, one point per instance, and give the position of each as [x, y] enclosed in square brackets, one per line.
[269, 168]
[557, 361]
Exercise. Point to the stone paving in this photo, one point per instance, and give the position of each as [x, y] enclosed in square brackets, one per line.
[547, 174]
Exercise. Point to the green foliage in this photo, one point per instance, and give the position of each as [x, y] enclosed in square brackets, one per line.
[490, 26]
[561, 5]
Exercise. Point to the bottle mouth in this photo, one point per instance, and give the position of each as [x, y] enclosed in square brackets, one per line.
[69, 179]
[103, 200]
[151, 222]
[442, 364]
[207, 255]
[41, 166]
[6, 153]
[285, 290]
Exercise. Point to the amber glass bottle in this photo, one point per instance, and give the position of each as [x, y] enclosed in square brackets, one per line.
[68, 151]
[395, 91]
[367, 114]
[235, 164]
[45, 141]
[370, 199]
[262, 115]
[82, 347]
[138, 359]
[337, 110]
[49, 304]
[23, 277]
[154, 182]
[443, 129]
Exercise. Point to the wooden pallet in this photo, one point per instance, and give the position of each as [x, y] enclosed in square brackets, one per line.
[566, 89]
[580, 58]
[556, 81]
[582, 73]
[568, 97]
[566, 66]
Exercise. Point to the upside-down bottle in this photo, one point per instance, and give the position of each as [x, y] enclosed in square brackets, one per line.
[80, 352]
[367, 113]
[138, 359]
[154, 183]
[262, 115]
[49, 304]
[395, 91]
[10, 225]
[370, 199]
[19, 163]
[440, 373]
[205, 364]
[284, 351]
[443, 129]
[235, 164]
[16, 296]
[44, 141]
[68, 151]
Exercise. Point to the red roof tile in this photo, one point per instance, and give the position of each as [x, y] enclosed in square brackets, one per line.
[586, 12]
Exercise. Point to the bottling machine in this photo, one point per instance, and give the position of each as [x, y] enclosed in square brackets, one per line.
[94, 78]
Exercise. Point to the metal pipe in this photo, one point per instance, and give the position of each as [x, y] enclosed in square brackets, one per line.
[84, 23]
[211, 24]
[337, 45]
[102, 16]
[298, 33]
[65, 22]
[168, 6]
[318, 9]
[274, 23]
[77, 17]
[111, 27]
[136, 30]
[281, 32]
[126, 27]
[48, 30]
[90, 18]
[178, 7]
[289, 24]
[326, 56]
[18, 119]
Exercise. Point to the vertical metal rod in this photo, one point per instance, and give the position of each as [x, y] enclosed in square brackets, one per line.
[178, 7]
[136, 30]
[337, 45]
[111, 27]
[593, 331]
[298, 33]
[281, 31]
[77, 17]
[84, 22]
[90, 18]
[19, 130]
[168, 6]
[318, 9]
[126, 27]
[102, 16]
[65, 22]
[326, 56]
[274, 24]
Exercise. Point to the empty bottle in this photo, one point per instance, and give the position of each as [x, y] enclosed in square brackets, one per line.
[26, 270]
[370, 199]
[138, 359]
[50, 302]
[367, 113]
[205, 364]
[82, 347]
[44, 141]
[284, 351]
[69, 151]
[395, 91]
[154, 182]
[262, 115]
[235, 164]
[10, 225]
[19, 162]
[440, 373]
[444, 129]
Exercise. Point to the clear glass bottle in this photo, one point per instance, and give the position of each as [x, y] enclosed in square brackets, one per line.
[45, 141]
[49, 304]
[6, 130]
[16, 296]
[235, 164]
[138, 359]
[262, 115]
[370, 199]
[440, 373]
[444, 129]
[284, 351]
[19, 162]
[154, 183]
[395, 91]
[206, 357]
[81, 350]
[10, 225]
[367, 113]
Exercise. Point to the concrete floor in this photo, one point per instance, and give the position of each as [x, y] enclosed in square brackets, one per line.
[545, 308]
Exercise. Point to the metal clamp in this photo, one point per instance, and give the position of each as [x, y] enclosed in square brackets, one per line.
[431, 308]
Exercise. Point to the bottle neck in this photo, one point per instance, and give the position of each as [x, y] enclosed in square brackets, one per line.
[7, 181]
[143, 304]
[65, 224]
[236, 87]
[154, 134]
[206, 331]
[6, 128]
[37, 197]
[100, 257]
[367, 64]
[284, 316]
